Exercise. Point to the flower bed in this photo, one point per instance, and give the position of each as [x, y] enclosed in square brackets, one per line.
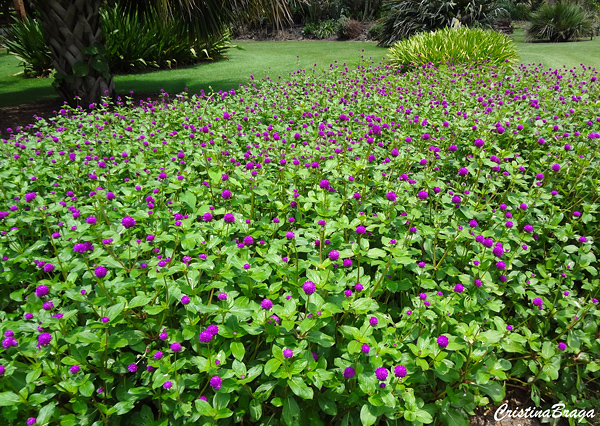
[339, 247]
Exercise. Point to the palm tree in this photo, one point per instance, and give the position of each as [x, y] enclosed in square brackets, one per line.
[72, 28]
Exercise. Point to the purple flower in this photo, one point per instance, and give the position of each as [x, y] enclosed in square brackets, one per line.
[334, 255]
[562, 346]
[41, 291]
[456, 199]
[442, 341]
[75, 369]
[400, 371]
[168, 385]
[373, 321]
[309, 287]
[206, 336]
[31, 421]
[324, 184]
[463, 171]
[132, 368]
[347, 263]
[360, 229]
[528, 228]
[381, 373]
[185, 299]
[501, 265]
[30, 196]
[48, 306]
[158, 355]
[128, 222]
[538, 302]
[583, 239]
[176, 347]
[391, 196]
[213, 329]
[44, 339]
[556, 167]
[473, 223]
[222, 296]
[105, 320]
[349, 372]
[479, 143]
[365, 348]
[288, 353]
[266, 304]
[229, 218]
[226, 194]
[459, 288]
[100, 271]
[289, 235]
[423, 195]
[216, 382]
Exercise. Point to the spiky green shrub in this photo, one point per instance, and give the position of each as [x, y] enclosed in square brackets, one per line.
[26, 41]
[559, 22]
[320, 30]
[456, 46]
[134, 42]
[408, 17]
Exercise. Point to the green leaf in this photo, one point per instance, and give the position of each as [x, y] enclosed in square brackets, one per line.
[238, 350]
[493, 390]
[320, 338]
[300, 388]
[114, 311]
[138, 301]
[271, 366]
[374, 253]
[80, 69]
[87, 337]
[189, 199]
[86, 389]
[45, 413]
[291, 411]
[8, 399]
[366, 417]
[100, 64]
[204, 408]
[255, 410]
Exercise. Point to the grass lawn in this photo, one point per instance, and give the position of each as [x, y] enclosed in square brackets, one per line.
[272, 58]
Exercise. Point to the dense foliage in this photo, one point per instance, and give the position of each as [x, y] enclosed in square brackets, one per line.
[454, 45]
[562, 21]
[408, 17]
[134, 42]
[335, 248]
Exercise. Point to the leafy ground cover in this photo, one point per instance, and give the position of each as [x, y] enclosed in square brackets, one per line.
[344, 246]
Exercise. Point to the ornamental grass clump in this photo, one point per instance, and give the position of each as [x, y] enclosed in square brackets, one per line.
[458, 45]
[391, 247]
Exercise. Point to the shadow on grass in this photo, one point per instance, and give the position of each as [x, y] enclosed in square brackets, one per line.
[176, 86]
[21, 95]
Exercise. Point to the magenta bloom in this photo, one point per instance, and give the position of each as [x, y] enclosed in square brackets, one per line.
[266, 304]
[185, 300]
[373, 321]
[226, 194]
[206, 336]
[423, 195]
[309, 287]
[44, 339]
[168, 385]
[229, 218]
[381, 373]
[463, 171]
[442, 341]
[41, 291]
[360, 229]
[288, 353]
[458, 288]
[400, 371]
[76, 369]
[334, 255]
[556, 167]
[391, 196]
[132, 368]
[365, 348]
[128, 222]
[528, 228]
[562, 346]
[176, 347]
[347, 263]
[30, 196]
[349, 372]
[100, 271]
[538, 302]
[216, 382]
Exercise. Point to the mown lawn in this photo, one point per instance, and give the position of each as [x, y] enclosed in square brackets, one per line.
[274, 59]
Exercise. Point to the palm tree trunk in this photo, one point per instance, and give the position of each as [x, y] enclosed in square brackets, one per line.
[76, 41]
[20, 9]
